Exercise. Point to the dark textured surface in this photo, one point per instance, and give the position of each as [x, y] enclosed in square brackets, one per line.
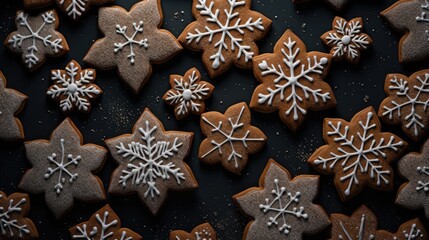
[115, 113]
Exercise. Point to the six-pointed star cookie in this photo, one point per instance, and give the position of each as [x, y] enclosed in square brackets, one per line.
[358, 153]
[412, 18]
[282, 207]
[230, 138]
[11, 104]
[292, 81]
[63, 169]
[36, 38]
[200, 232]
[226, 31]
[151, 162]
[132, 42]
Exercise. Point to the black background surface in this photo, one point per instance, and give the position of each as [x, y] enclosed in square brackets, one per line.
[355, 87]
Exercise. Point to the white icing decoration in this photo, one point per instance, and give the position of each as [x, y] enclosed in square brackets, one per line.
[400, 86]
[201, 235]
[34, 36]
[413, 234]
[138, 29]
[423, 171]
[230, 137]
[280, 206]
[150, 161]
[75, 8]
[187, 93]
[227, 29]
[347, 38]
[61, 168]
[361, 234]
[288, 79]
[423, 18]
[74, 87]
[359, 150]
[8, 224]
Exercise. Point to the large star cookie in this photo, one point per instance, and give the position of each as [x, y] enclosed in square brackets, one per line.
[412, 18]
[226, 31]
[132, 42]
[151, 162]
[282, 207]
[11, 104]
[201, 232]
[63, 169]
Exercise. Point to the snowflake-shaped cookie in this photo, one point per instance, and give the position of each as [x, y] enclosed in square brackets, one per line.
[292, 81]
[151, 162]
[74, 88]
[13, 223]
[63, 169]
[358, 153]
[411, 230]
[346, 40]
[230, 138]
[281, 206]
[226, 31]
[188, 93]
[412, 18]
[36, 37]
[132, 42]
[407, 103]
[11, 104]
[103, 225]
[202, 232]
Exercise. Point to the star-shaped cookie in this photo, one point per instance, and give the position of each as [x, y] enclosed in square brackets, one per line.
[200, 232]
[282, 207]
[63, 168]
[410, 17]
[151, 162]
[411, 230]
[11, 104]
[132, 42]
[226, 31]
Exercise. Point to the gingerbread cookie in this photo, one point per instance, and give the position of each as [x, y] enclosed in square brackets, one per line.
[226, 31]
[13, 223]
[411, 230]
[63, 169]
[188, 93]
[11, 104]
[415, 168]
[230, 138]
[132, 42]
[358, 153]
[282, 207]
[36, 38]
[103, 225]
[346, 40]
[151, 162]
[412, 18]
[202, 232]
[74, 87]
[407, 103]
[292, 81]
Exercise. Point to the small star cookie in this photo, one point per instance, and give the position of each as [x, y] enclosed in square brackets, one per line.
[202, 232]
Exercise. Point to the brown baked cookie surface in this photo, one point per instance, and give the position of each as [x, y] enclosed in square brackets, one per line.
[411, 230]
[201, 232]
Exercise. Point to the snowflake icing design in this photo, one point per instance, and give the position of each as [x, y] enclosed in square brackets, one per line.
[282, 207]
[75, 8]
[151, 157]
[61, 166]
[424, 18]
[34, 36]
[413, 234]
[226, 29]
[7, 224]
[130, 40]
[361, 233]
[423, 185]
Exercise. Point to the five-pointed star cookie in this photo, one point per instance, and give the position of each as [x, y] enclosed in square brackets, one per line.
[226, 31]
[132, 42]
[200, 232]
[103, 225]
[11, 104]
[36, 38]
[292, 81]
[188, 93]
[282, 207]
[358, 153]
[230, 138]
[63, 167]
[412, 18]
[151, 162]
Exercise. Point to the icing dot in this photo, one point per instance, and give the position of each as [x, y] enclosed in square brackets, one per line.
[346, 40]
[72, 88]
[324, 60]
[187, 95]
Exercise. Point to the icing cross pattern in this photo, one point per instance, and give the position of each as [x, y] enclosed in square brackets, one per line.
[423, 185]
[424, 18]
[61, 167]
[130, 40]
[8, 224]
[361, 234]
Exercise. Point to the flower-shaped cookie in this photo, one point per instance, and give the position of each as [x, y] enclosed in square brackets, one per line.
[201, 232]
[132, 42]
[188, 93]
[346, 40]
